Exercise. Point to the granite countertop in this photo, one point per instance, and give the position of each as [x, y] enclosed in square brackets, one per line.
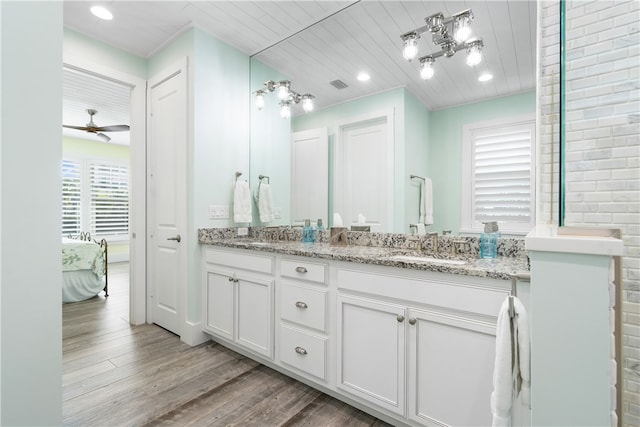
[500, 268]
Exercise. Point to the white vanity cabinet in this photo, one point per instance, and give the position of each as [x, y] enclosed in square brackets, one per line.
[238, 300]
[302, 328]
[371, 351]
[428, 335]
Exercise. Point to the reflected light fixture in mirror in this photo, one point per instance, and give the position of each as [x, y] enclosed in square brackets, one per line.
[285, 95]
[449, 34]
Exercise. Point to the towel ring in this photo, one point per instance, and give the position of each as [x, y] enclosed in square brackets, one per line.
[238, 174]
[261, 177]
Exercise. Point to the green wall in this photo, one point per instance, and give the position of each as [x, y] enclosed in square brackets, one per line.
[445, 150]
[270, 144]
[83, 48]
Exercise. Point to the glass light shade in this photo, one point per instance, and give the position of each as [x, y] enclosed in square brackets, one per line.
[260, 100]
[283, 90]
[307, 103]
[474, 56]
[463, 30]
[410, 49]
[285, 110]
[426, 72]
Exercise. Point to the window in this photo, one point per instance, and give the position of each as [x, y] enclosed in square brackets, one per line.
[71, 196]
[95, 198]
[499, 175]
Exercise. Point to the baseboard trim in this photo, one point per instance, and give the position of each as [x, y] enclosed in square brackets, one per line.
[192, 334]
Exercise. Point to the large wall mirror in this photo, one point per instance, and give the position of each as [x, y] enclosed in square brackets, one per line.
[382, 131]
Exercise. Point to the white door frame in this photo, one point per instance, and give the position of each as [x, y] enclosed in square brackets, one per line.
[338, 161]
[137, 191]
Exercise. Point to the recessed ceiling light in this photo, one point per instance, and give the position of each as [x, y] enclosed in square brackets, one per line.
[485, 77]
[363, 77]
[102, 13]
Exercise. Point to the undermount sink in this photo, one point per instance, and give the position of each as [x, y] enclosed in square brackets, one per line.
[431, 260]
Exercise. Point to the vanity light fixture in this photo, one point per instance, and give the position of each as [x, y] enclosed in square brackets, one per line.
[285, 109]
[286, 96]
[426, 67]
[307, 102]
[449, 34]
[102, 13]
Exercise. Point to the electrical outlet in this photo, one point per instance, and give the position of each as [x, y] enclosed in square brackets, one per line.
[277, 213]
[218, 212]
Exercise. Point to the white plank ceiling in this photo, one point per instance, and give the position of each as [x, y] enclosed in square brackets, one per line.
[315, 42]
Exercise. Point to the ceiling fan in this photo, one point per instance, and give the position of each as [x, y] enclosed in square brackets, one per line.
[98, 130]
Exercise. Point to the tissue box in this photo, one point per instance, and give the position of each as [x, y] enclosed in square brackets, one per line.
[338, 236]
[360, 228]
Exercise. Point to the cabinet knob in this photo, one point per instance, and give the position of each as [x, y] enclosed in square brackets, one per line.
[301, 269]
[301, 351]
[400, 318]
[231, 279]
[301, 304]
[412, 320]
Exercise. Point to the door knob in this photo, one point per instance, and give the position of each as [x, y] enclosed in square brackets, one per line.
[177, 238]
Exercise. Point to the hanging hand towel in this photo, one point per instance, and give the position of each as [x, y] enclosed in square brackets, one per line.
[426, 203]
[264, 200]
[511, 373]
[241, 202]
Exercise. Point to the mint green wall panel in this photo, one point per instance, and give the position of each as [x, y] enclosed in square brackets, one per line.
[445, 150]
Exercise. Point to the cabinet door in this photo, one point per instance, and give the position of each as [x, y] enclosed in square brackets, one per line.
[371, 351]
[220, 302]
[450, 369]
[254, 316]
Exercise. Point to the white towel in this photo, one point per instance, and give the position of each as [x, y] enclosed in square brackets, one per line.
[241, 202]
[511, 374]
[426, 203]
[264, 200]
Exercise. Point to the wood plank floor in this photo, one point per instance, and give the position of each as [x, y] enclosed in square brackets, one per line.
[115, 374]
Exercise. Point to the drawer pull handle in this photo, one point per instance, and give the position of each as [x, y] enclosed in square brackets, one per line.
[301, 351]
[400, 318]
[412, 320]
[301, 270]
[301, 304]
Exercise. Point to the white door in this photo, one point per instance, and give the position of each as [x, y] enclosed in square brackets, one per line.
[220, 306]
[310, 175]
[371, 351]
[167, 196]
[254, 314]
[364, 172]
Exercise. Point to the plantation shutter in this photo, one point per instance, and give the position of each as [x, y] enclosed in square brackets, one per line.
[71, 193]
[109, 195]
[502, 176]
[499, 175]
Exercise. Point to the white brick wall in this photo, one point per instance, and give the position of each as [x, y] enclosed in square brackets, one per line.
[602, 124]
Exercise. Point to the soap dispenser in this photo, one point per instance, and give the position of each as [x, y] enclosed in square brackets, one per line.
[489, 240]
[307, 232]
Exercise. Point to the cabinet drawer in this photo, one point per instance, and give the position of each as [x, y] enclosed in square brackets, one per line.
[303, 351]
[258, 263]
[303, 270]
[303, 305]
